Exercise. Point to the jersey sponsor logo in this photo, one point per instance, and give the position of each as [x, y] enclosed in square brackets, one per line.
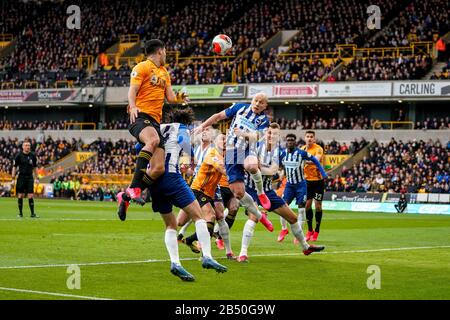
[157, 81]
[291, 164]
[245, 123]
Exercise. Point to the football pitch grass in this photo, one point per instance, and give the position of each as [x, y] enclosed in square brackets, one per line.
[128, 260]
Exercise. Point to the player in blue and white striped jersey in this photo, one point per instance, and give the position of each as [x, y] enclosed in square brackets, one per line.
[248, 124]
[172, 190]
[200, 151]
[293, 161]
[269, 156]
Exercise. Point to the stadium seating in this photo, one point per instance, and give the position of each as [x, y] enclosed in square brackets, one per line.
[418, 21]
[444, 74]
[112, 158]
[47, 52]
[402, 68]
[413, 166]
[355, 122]
[47, 152]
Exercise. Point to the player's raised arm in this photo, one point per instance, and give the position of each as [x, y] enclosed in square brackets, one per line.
[316, 162]
[211, 121]
[177, 98]
[222, 115]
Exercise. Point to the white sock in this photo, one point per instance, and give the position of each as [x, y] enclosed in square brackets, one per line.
[224, 232]
[216, 227]
[257, 178]
[184, 228]
[172, 245]
[203, 237]
[248, 203]
[301, 217]
[283, 223]
[298, 233]
[247, 235]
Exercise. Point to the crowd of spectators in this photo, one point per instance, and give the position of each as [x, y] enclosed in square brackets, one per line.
[60, 125]
[112, 158]
[444, 74]
[47, 51]
[47, 151]
[265, 66]
[434, 124]
[336, 148]
[320, 123]
[387, 68]
[356, 122]
[68, 186]
[398, 167]
[418, 21]
[325, 24]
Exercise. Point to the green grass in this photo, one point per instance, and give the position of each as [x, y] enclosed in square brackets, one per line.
[88, 232]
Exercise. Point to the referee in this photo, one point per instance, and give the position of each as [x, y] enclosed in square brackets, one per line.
[26, 161]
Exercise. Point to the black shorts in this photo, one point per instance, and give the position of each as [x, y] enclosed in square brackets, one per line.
[203, 198]
[25, 185]
[227, 195]
[315, 189]
[143, 120]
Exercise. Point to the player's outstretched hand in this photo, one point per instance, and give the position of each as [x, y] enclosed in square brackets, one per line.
[197, 130]
[133, 114]
[185, 97]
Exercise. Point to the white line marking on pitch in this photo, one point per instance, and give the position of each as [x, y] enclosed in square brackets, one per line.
[69, 219]
[53, 294]
[188, 259]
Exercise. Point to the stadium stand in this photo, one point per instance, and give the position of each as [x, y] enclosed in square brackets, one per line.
[46, 54]
[444, 74]
[356, 122]
[418, 21]
[412, 166]
[387, 68]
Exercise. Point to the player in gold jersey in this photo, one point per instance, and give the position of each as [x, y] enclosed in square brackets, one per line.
[205, 188]
[315, 185]
[150, 85]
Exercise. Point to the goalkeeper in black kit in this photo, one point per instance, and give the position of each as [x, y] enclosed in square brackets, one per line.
[402, 204]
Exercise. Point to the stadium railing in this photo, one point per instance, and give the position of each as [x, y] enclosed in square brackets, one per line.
[7, 85]
[379, 124]
[352, 51]
[104, 179]
[64, 84]
[86, 62]
[80, 125]
[5, 39]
